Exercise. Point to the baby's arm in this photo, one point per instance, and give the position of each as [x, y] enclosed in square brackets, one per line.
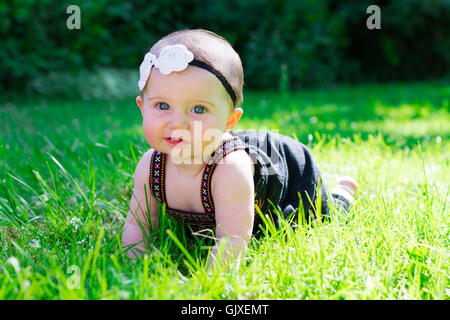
[233, 195]
[139, 219]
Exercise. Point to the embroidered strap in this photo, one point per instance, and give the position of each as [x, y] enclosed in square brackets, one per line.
[157, 176]
[225, 148]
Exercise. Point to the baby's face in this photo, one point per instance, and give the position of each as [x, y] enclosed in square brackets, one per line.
[192, 105]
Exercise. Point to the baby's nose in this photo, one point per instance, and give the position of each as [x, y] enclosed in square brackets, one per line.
[178, 120]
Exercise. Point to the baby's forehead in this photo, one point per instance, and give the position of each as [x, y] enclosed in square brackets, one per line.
[190, 83]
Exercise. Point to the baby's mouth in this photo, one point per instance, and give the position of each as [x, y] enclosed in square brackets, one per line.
[173, 140]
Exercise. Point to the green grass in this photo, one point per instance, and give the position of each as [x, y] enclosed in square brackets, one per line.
[66, 179]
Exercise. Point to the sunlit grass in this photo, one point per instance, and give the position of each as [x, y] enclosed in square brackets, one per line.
[66, 172]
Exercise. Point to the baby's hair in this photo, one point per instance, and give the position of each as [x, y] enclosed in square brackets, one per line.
[212, 49]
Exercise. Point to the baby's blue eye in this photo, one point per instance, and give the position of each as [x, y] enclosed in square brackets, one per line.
[162, 106]
[199, 109]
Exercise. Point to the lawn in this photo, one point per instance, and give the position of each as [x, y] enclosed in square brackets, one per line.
[66, 181]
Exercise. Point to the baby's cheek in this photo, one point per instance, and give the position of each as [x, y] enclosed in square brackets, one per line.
[149, 133]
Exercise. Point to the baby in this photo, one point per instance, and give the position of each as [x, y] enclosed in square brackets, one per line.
[208, 176]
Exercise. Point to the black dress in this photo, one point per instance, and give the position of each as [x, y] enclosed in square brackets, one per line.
[285, 169]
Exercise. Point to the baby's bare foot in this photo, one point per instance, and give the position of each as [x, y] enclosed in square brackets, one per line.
[347, 187]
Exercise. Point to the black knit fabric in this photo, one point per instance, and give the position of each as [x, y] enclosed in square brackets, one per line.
[285, 168]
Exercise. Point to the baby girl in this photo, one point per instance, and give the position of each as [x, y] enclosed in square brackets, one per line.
[208, 176]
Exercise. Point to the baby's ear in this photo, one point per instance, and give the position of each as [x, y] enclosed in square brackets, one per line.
[140, 103]
[234, 117]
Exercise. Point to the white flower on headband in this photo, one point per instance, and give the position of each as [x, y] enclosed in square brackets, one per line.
[144, 69]
[171, 58]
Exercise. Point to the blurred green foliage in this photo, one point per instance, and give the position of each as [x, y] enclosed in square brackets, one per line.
[321, 42]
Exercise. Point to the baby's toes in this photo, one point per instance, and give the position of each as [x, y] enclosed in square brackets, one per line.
[349, 184]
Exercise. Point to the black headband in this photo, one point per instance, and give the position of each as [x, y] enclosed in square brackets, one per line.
[219, 76]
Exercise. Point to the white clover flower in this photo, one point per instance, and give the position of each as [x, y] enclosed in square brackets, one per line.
[44, 197]
[35, 243]
[123, 295]
[76, 222]
[26, 284]
[171, 58]
[14, 263]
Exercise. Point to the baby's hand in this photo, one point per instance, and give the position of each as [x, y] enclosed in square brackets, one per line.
[227, 248]
[234, 203]
[132, 240]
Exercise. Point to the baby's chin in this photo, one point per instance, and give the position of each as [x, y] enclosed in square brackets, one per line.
[194, 150]
[184, 154]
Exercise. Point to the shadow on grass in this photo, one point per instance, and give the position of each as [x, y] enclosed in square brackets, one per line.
[402, 114]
